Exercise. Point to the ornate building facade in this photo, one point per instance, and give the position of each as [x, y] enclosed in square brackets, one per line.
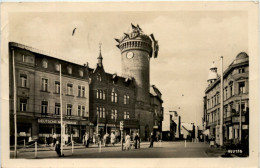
[236, 101]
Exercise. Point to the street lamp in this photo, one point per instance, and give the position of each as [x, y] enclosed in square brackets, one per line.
[240, 119]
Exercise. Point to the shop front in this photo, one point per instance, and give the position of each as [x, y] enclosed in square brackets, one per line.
[74, 129]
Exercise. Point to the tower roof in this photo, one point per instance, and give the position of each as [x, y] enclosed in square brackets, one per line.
[213, 75]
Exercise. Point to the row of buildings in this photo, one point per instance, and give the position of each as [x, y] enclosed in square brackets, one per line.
[93, 101]
[235, 102]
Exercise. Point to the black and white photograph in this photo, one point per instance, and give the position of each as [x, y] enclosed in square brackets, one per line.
[147, 84]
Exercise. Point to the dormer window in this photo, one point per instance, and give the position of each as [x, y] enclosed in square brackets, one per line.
[99, 78]
[69, 68]
[81, 73]
[44, 63]
[57, 67]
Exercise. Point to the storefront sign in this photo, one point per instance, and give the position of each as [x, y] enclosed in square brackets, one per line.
[155, 126]
[22, 133]
[244, 127]
[111, 125]
[237, 119]
[51, 121]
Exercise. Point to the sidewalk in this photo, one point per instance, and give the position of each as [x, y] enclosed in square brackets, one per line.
[43, 147]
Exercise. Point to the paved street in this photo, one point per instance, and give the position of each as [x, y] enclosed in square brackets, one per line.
[160, 150]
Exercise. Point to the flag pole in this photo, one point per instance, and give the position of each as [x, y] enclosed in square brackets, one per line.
[15, 122]
[61, 112]
[221, 106]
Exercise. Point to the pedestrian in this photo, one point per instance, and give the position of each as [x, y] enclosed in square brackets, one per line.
[137, 141]
[127, 142]
[57, 148]
[113, 139]
[94, 139]
[151, 140]
[86, 140]
[54, 139]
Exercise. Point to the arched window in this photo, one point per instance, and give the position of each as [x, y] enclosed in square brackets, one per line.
[115, 97]
[112, 96]
[104, 95]
[97, 93]
[100, 94]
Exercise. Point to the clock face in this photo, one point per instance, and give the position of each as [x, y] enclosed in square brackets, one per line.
[129, 55]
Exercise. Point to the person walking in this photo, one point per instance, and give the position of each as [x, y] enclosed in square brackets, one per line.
[137, 140]
[54, 139]
[127, 142]
[86, 140]
[113, 139]
[151, 140]
[57, 148]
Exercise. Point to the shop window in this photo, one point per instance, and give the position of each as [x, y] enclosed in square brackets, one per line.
[44, 84]
[23, 104]
[69, 109]
[69, 89]
[44, 108]
[57, 108]
[23, 79]
[57, 87]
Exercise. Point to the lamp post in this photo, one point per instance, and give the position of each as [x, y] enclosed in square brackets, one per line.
[240, 119]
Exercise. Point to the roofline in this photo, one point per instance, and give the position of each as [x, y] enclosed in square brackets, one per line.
[225, 73]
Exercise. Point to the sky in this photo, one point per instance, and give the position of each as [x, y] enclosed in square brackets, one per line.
[189, 42]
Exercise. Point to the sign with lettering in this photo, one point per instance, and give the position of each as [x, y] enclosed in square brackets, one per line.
[52, 121]
[121, 125]
[237, 119]
[244, 127]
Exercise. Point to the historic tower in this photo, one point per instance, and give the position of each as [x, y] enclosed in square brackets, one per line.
[136, 50]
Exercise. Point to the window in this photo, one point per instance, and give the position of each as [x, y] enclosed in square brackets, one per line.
[226, 93]
[113, 114]
[241, 87]
[79, 110]
[57, 87]
[69, 89]
[69, 68]
[23, 79]
[83, 111]
[44, 63]
[115, 97]
[112, 97]
[99, 78]
[126, 99]
[81, 73]
[23, 104]
[231, 89]
[44, 107]
[104, 112]
[69, 109]
[57, 67]
[57, 108]
[126, 115]
[100, 94]
[97, 93]
[104, 95]
[241, 70]
[23, 58]
[44, 84]
[82, 91]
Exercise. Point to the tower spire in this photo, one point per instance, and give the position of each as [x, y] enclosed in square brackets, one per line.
[100, 58]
